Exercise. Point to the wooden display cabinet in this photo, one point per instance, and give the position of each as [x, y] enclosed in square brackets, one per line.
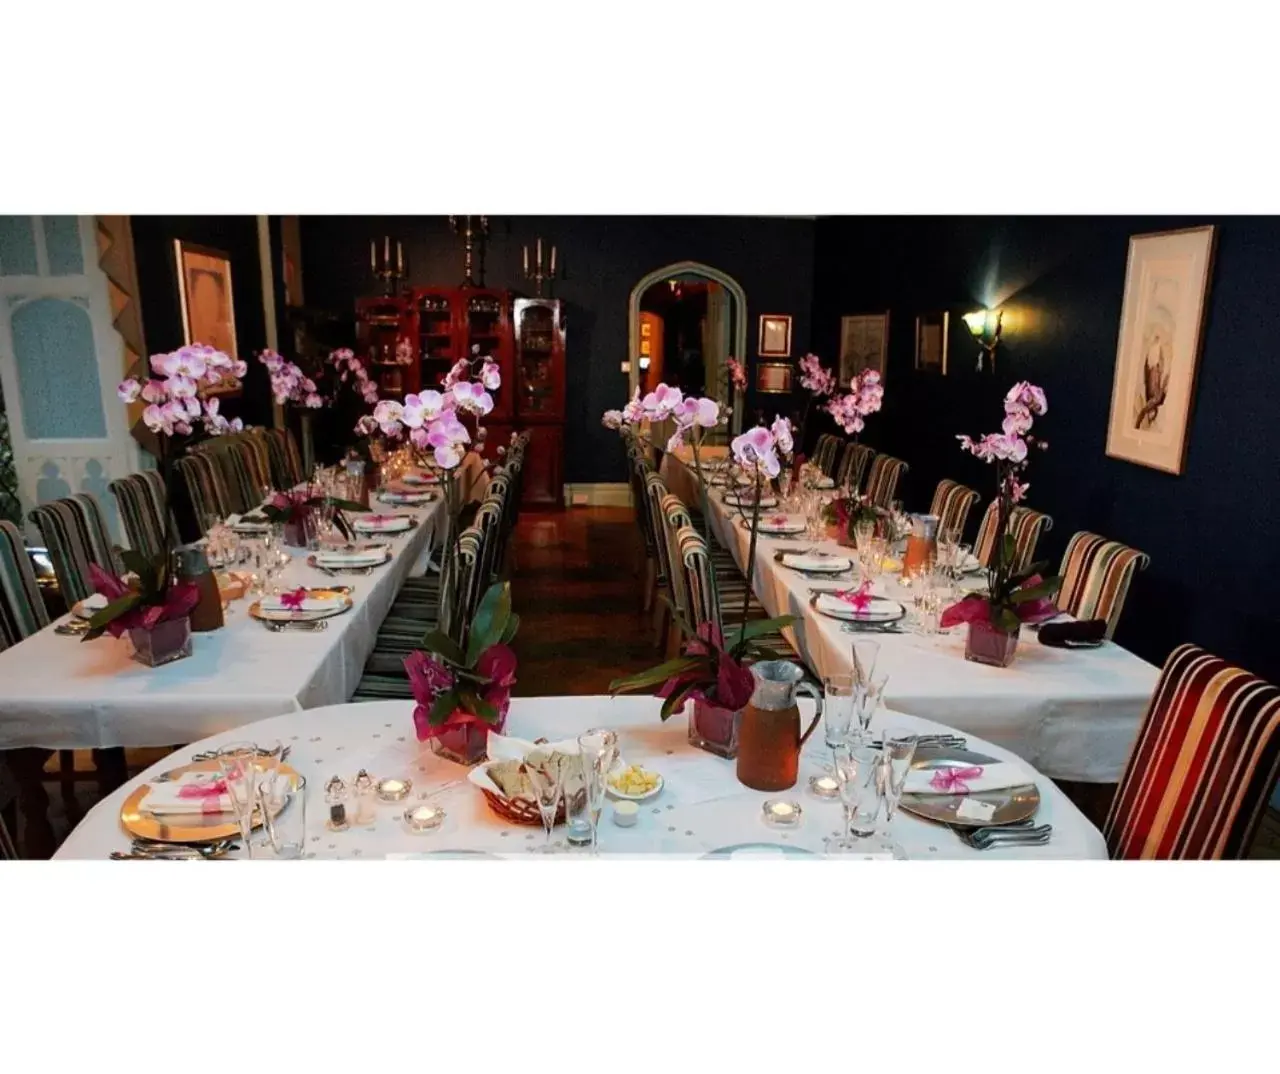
[381, 323]
[540, 390]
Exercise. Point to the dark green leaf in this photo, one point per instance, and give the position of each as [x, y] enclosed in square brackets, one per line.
[655, 675]
[513, 625]
[443, 707]
[490, 621]
[763, 652]
[346, 505]
[438, 642]
[757, 627]
[1006, 619]
[670, 704]
[118, 607]
[135, 561]
[1045, 589]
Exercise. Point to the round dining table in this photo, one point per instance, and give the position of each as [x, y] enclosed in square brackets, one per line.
[700, 810]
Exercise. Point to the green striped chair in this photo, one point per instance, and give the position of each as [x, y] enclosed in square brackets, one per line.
[882, 480]
[206, 487]
[1095, 577]
[143, 505]
[1026, 526]
[75, 534]
[1204, 766]
[22, 610]
[951, 505]
[853, 465]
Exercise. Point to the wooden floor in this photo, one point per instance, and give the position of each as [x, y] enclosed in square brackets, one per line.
[576, 589]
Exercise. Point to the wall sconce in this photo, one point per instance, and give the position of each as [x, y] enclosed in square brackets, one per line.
[644, 363]
[985, 327]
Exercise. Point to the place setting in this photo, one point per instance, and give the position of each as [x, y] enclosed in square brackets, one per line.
[302, 608]
[859, 607]
[406, 497]
[350, 558]
[391, 524]
[778, 525]
[814, 563]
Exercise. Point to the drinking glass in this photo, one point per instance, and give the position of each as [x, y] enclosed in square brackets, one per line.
[963, 552]
[866, 700]
[857, 773]
[238, 763]
[863, 532]
[599, 748]
[837, 709]
[865, 654]
[284, 816]
[545, 773]
[897, 753]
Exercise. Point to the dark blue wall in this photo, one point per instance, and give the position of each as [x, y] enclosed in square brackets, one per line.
[1214, 577]
[603, 257]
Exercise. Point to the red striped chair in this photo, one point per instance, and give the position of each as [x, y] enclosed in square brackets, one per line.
[951, 505]
[1204, 766]
[1026, 526]
[1095, 577]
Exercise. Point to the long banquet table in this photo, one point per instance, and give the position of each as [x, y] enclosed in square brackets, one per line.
[700, 809]
[1074, 714]
[58, 692]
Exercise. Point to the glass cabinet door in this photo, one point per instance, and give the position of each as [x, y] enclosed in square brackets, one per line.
[537, 357]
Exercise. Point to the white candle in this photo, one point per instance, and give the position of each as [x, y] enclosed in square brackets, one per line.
[399, 258]
[782, 809]
[782, 814]
[392, 790]
[373, 255]
[386, 250]
[553, 261]
[424, 818]
[526, 259]
[539, 253]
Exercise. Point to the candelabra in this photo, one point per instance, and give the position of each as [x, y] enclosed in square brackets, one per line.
[389, 276]
[472, 234]
[537, 275]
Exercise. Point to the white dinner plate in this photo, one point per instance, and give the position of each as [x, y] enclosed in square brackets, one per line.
[398, 524]
[815, 563]
[880, 610]
[731, 500]
[792, 526]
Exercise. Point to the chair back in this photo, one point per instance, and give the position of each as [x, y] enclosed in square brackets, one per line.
[207, 488]
[882, 481]
[824, 453]
[698, 569]
[143, 510]
[1204, 766]
[951, 505]
[284, 458]
[664, 541]
[1096, 574]
[676, 517]
[1025, 525]
[853, 465]
[22, 610]
[75, 534]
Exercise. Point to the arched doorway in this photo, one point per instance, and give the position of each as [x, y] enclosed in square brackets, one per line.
[724, 331]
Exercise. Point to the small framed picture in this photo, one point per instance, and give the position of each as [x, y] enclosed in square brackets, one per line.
[864, 344]
[205, 297]
[773, 377]
[931, 342]
[775, 336]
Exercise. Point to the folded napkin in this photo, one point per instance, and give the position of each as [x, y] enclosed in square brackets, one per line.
[191, 792]
[390, 523]
[86, 608]
[815, 561]
[510, 748]
[392, 496]
[307, 604]
[734, 500]
[1062, 635]
[971, 779]
[336, 558]
[781, 524]
[875, 608]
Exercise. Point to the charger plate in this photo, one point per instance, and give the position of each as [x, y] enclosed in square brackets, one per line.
[835, 564]
[340, 596]
[187, 828]
[1012, 804]
[880, 610]
[748, 850]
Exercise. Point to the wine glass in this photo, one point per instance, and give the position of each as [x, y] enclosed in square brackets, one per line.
[545, 773]
[897, 752]
[599, 748]
[865, 654]
[238, 763]
[866, 700]
[857, 773]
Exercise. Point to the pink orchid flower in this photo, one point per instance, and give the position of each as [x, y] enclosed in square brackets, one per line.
[756, 450]
[129, 390]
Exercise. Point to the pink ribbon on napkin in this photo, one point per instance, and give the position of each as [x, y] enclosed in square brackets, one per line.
[778, 520]
[859, 597]
[293, 600]
[952, 780]
[209, 792]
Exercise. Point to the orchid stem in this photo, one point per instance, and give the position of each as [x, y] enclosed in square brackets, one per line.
[751, 551]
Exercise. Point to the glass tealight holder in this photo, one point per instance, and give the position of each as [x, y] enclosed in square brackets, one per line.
[393, 790]
[824, 786]
[423, 818]
[779, 813]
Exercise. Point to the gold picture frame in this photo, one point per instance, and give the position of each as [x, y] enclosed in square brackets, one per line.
[775, 336]
[1166, 290]
[864, 344]
[932, 330]
[207, 301]
[774, 378]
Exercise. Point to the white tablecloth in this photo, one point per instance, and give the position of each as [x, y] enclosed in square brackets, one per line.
[1074, 714]
[701, 808]
[61, 693]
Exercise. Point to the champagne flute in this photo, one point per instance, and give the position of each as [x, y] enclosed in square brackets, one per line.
[898, 751]
[599, 748]
[238, 763]
[857, 773]
[867, 698]
[545, 772]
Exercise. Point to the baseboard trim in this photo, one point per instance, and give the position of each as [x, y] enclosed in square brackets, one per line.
[599, 494]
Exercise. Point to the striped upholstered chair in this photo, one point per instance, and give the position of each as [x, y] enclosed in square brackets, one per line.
[1095, 577]
[22, 610]
[1026, 526]
[286, 462]
[951, 505]
[207, 487]
[75, 535]
[853, 465]
[1204, 766]
[824, 453]
[142, 505]
[882, 480]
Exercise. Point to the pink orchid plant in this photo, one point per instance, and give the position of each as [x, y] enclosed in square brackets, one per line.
[865, 397]
[145, 598]
[818, 381]
[289, 384]
[1012, 597]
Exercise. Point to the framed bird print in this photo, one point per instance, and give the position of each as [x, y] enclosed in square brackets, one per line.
[1166, 288]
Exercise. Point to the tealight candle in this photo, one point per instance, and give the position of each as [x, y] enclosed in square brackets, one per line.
[625, 814]
[424, 818]
[780, 814]
[824, 786]
[393, 790]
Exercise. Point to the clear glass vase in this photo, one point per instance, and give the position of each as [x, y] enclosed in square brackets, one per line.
[163, 643]
[989, 644]
[464, 744]
[714, 729]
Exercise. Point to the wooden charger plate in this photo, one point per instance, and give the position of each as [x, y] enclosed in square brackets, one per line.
[188, 827]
